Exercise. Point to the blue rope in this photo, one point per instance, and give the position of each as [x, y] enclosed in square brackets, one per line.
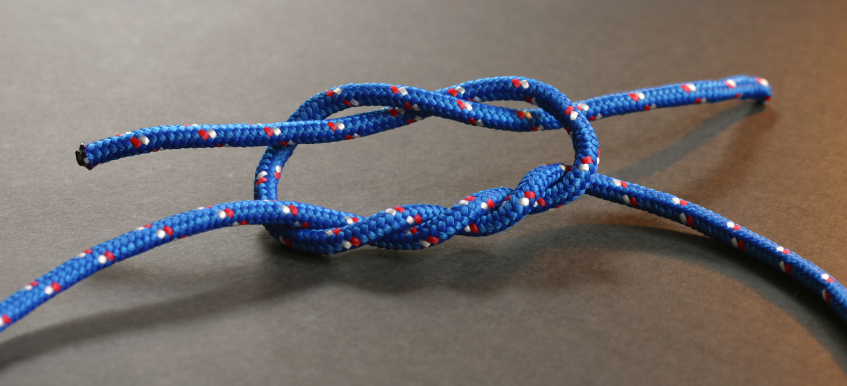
[320, 230]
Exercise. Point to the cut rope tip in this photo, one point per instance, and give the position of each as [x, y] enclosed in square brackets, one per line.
[82, 157]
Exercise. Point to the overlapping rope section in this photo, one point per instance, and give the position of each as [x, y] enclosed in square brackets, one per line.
[320, 230]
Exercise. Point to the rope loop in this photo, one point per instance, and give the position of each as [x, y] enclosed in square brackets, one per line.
[481, 214]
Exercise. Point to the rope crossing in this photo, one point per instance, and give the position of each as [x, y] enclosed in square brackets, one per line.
[315, 229]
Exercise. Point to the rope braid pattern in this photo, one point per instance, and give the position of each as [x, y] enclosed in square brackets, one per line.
[320, 230]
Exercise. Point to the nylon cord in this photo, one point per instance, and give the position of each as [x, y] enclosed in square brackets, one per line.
[320, 230]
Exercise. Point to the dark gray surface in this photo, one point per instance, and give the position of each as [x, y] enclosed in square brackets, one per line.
[592, 293]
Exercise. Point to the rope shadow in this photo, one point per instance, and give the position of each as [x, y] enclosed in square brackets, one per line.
[697, 137]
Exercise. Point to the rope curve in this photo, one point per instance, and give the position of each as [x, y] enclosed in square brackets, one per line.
[315, 229]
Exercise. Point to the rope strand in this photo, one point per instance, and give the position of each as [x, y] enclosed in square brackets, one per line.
[315, 229]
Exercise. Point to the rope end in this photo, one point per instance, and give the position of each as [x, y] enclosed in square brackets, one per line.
[82, 157]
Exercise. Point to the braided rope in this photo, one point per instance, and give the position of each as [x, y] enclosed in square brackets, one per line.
[320, 230]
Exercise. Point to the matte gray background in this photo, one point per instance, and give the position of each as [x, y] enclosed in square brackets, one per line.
[592, 293]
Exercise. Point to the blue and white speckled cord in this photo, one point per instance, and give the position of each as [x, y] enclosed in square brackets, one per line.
[320, 230]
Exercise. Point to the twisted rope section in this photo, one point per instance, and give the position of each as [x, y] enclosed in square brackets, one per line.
[320, 230]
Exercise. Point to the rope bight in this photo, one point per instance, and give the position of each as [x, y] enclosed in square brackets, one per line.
[320, 230]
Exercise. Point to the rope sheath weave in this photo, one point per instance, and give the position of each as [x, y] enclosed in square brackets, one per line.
[320, 230]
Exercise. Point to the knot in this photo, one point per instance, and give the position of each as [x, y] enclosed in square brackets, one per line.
[320, 230]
